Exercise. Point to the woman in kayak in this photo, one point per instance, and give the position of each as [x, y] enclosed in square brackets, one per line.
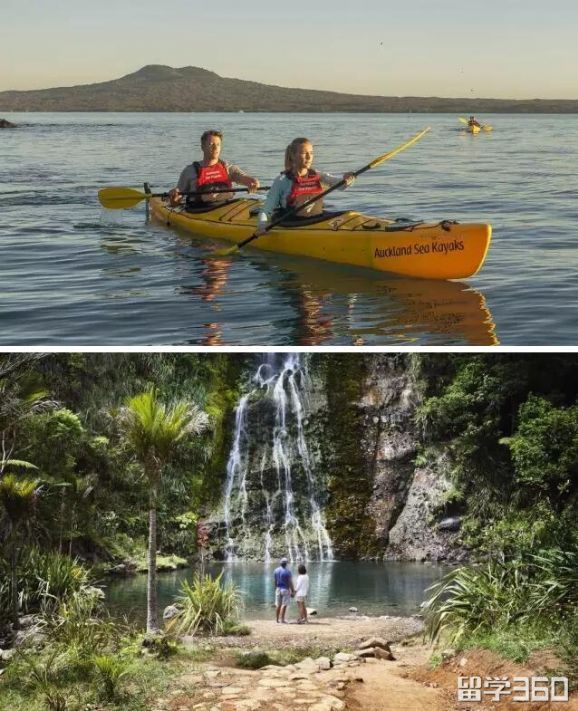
[210, 173]
[474, 122]
[297, 184]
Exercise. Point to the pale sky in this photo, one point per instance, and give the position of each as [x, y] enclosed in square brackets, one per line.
[449, 48]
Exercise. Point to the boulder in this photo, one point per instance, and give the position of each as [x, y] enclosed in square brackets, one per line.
[6, 654]
[369, 652]
[171, 611]
[128, 568]
[324, 663]
[452, 523]
[31, 637]
[7, 124]
[375, 642]
[343, 658]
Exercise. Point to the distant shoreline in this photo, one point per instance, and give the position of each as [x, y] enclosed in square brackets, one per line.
[163, 89]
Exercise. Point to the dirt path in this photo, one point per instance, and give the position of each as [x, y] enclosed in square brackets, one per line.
[318, 683]
[339, 682]
[338, 632]
[386, 688]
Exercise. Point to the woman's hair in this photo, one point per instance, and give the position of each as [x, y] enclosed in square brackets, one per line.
[301, 569]
[209, 133]
[290, 151]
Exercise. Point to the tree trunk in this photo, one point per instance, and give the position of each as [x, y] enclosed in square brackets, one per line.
[14, 587]
[152, 612]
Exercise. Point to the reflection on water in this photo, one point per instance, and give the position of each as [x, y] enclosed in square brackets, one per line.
[333, 303]
[74, 274]
[406, 311]
[213, 276]
[389, 588]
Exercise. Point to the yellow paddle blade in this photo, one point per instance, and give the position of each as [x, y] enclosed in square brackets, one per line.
[399, 149]
[120, 198]
[224, 252]
[463, 120]
[487, 127]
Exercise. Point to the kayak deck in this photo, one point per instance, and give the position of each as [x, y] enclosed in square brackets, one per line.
[444, 250]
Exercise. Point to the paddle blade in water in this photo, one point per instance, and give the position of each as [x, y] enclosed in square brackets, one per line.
[120, 198]
[227, 252]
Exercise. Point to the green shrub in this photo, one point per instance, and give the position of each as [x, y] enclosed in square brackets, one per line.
[160, 646]
[109, 670]
[538, 591]
[44, 675]
[208, 605]
[234, 628]
[253, 660]
[83, 626]
[43, 579]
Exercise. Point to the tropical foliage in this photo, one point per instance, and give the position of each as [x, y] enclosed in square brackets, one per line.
[153, 431]
[208, 606]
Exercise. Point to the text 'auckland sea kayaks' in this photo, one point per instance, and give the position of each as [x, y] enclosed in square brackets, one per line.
[443, 250]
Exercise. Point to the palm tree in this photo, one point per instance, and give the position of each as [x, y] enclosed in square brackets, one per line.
[17, 497]
[152, 430]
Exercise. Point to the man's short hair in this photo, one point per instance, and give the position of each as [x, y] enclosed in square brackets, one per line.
[209, 133]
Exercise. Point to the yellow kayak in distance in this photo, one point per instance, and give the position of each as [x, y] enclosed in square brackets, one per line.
[443, 250]
[475, 129]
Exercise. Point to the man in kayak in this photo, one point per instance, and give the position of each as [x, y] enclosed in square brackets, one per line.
[210, 173]
[297, 184]
[474, 122]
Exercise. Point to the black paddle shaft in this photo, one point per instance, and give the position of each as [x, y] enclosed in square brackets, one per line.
[209, 191]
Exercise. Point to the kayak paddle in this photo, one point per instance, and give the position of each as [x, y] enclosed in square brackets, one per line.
[293, 211]
[123, 198]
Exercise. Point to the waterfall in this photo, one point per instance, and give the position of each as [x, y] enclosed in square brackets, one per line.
[272, 494]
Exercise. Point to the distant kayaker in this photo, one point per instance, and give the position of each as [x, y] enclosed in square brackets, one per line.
[284, 589]
[472, 121]
[297, 184]
[211, 172]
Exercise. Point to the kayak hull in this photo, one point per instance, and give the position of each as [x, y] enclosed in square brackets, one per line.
[444, 250]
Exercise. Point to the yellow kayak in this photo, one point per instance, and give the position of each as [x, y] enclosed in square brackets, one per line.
[473, 129]
[443, 250]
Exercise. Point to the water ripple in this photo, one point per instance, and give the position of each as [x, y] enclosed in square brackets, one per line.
[75, 274]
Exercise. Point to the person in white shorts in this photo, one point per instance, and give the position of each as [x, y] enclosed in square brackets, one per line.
[301, 592]
[284, 589]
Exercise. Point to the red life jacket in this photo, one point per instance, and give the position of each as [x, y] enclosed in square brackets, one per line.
[212, 176]
[303, 189]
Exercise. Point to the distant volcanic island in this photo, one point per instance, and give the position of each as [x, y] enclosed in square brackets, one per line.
[161, 88]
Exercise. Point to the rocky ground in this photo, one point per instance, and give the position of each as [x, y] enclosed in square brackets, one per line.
[331, 632]
[395, 676]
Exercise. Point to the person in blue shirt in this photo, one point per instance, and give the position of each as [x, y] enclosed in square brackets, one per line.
[284, 589]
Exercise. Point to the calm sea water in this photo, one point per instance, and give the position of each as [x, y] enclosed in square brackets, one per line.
[72, 273]
[374, 588]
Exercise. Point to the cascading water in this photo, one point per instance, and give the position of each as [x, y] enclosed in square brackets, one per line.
[272, 495]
